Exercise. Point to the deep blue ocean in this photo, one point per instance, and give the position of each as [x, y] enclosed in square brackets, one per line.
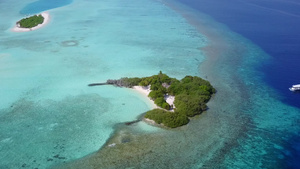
[274, 25]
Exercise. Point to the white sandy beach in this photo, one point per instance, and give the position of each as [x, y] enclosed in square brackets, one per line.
[170, 100]
[145, 90]
[150, 121]
[142, 89]
[46, 16]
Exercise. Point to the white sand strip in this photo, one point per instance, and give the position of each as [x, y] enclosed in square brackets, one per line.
[145, 90]
[170, 100]
[46, 20]
[149, 121]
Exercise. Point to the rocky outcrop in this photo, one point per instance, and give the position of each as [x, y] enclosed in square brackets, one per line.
[123, 82]
[119, 83]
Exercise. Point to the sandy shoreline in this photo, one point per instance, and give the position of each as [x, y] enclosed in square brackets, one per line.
[46, 16]
[145, 90]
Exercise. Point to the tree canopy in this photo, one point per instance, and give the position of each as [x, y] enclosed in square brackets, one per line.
[191, 95]
[31, 21]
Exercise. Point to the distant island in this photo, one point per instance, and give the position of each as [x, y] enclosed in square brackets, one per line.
[31, 23]
[191, 95]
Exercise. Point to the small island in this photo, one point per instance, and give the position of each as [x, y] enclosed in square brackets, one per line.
[31, 23]
[191, 95]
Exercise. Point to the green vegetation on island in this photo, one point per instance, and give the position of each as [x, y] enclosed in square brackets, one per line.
[191, 95]
[31, 22]
[169, 119]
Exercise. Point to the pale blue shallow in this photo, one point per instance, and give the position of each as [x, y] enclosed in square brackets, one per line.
[46, 107]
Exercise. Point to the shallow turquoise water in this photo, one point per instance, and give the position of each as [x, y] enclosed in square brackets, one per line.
[49, 116]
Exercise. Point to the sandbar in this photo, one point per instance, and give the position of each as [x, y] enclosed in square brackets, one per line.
[46, 16]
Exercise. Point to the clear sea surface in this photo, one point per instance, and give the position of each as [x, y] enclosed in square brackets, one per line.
[274, 26]
[43, 5]
[50, 118]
